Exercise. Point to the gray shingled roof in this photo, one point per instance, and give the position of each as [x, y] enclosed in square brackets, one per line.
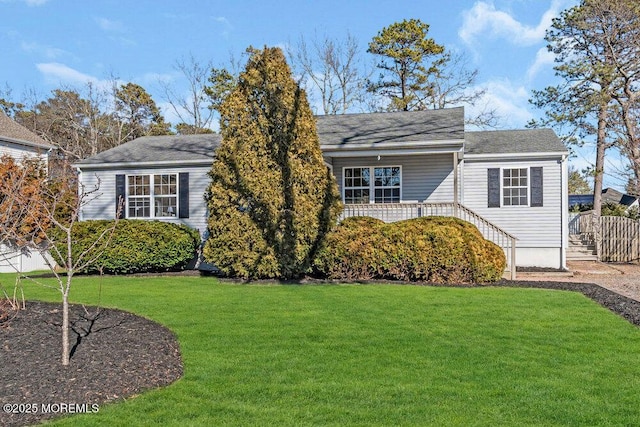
[14, 132]
[352, 129]
[170, 148]
[609, 195]
[398, 127]
[513, 141]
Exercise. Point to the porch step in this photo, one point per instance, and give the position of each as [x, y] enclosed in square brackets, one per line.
[581, 248]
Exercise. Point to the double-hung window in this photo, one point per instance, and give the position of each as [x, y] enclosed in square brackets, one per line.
[370, 184]
[152, 196]
[357, 185]
[515, 187]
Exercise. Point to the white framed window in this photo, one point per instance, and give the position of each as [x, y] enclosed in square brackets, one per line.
[357, 185]
[515, 187]
[372, 184]
[152, 196]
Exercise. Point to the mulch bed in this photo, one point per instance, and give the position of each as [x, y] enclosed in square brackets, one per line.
[115, 355]
[119, 355]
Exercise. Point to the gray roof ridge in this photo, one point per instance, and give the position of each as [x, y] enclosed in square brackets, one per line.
[506, 130]
[369, 114]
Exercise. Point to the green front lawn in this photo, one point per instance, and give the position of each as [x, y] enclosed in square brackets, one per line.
[376, 355]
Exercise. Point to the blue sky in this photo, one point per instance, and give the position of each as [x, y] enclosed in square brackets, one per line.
[51, 43]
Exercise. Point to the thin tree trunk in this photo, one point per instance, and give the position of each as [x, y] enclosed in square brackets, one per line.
[601, 147]
[65, 329]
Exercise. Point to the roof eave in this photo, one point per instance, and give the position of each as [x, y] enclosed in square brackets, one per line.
[329, 148]
[515, 155]
[154, 164]
[25, 143]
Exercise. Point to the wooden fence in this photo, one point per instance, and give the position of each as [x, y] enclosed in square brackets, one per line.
[619, 240]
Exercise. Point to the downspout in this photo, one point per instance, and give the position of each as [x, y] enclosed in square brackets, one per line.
[564, 217]
[456, 198]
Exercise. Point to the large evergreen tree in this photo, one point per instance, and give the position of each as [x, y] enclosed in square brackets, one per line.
[598, 60]
[136, 114]
[271, 198]
[408, 61]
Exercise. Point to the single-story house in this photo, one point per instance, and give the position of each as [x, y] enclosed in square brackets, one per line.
[20, 143]
[511, 184]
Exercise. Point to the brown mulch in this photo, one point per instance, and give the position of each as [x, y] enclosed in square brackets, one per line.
[114, 355]
[117, 355]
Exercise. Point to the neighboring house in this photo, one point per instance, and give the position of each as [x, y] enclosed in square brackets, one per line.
[511, 184]
[609, 196]
[20, 143]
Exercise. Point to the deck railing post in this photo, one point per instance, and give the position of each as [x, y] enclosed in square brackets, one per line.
[513, 259]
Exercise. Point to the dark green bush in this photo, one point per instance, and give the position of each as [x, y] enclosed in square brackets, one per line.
[135, 246]
[432, 249]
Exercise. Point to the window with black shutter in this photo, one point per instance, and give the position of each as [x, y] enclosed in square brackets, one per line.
[153, 195]
[515, 187]
[183, 197]
[536, 187]
[493, 191]
[120, 196]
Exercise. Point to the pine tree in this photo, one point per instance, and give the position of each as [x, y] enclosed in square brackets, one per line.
[406, 71]
[272, 198]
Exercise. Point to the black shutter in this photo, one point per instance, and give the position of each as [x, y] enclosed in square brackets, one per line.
[493, 190]
[536, 186]
[183, 197]
[121, 193]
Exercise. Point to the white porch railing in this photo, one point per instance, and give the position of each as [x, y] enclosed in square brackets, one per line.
[391, 212]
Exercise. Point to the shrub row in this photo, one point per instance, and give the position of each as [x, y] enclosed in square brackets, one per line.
[432, 249]
[134, 246]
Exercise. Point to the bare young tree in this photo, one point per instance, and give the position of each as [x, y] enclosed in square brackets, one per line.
[70, 119]
[37, 215]
[453, 85]
[192, 106]
[333, 69]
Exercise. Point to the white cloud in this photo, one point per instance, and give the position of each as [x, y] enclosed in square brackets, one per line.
[115, 28]
[46, 51]
[155, 78]
[56, 73]
[483, 20]
[511, 103]
[544, 59]
[226, 26]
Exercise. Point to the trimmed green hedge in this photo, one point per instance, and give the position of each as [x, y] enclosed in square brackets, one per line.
[135, 246]
[431, 249]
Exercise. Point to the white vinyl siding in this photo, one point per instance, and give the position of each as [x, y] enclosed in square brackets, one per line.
[426, 177]
[19, 152]
[104, 206]
[535, 227]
